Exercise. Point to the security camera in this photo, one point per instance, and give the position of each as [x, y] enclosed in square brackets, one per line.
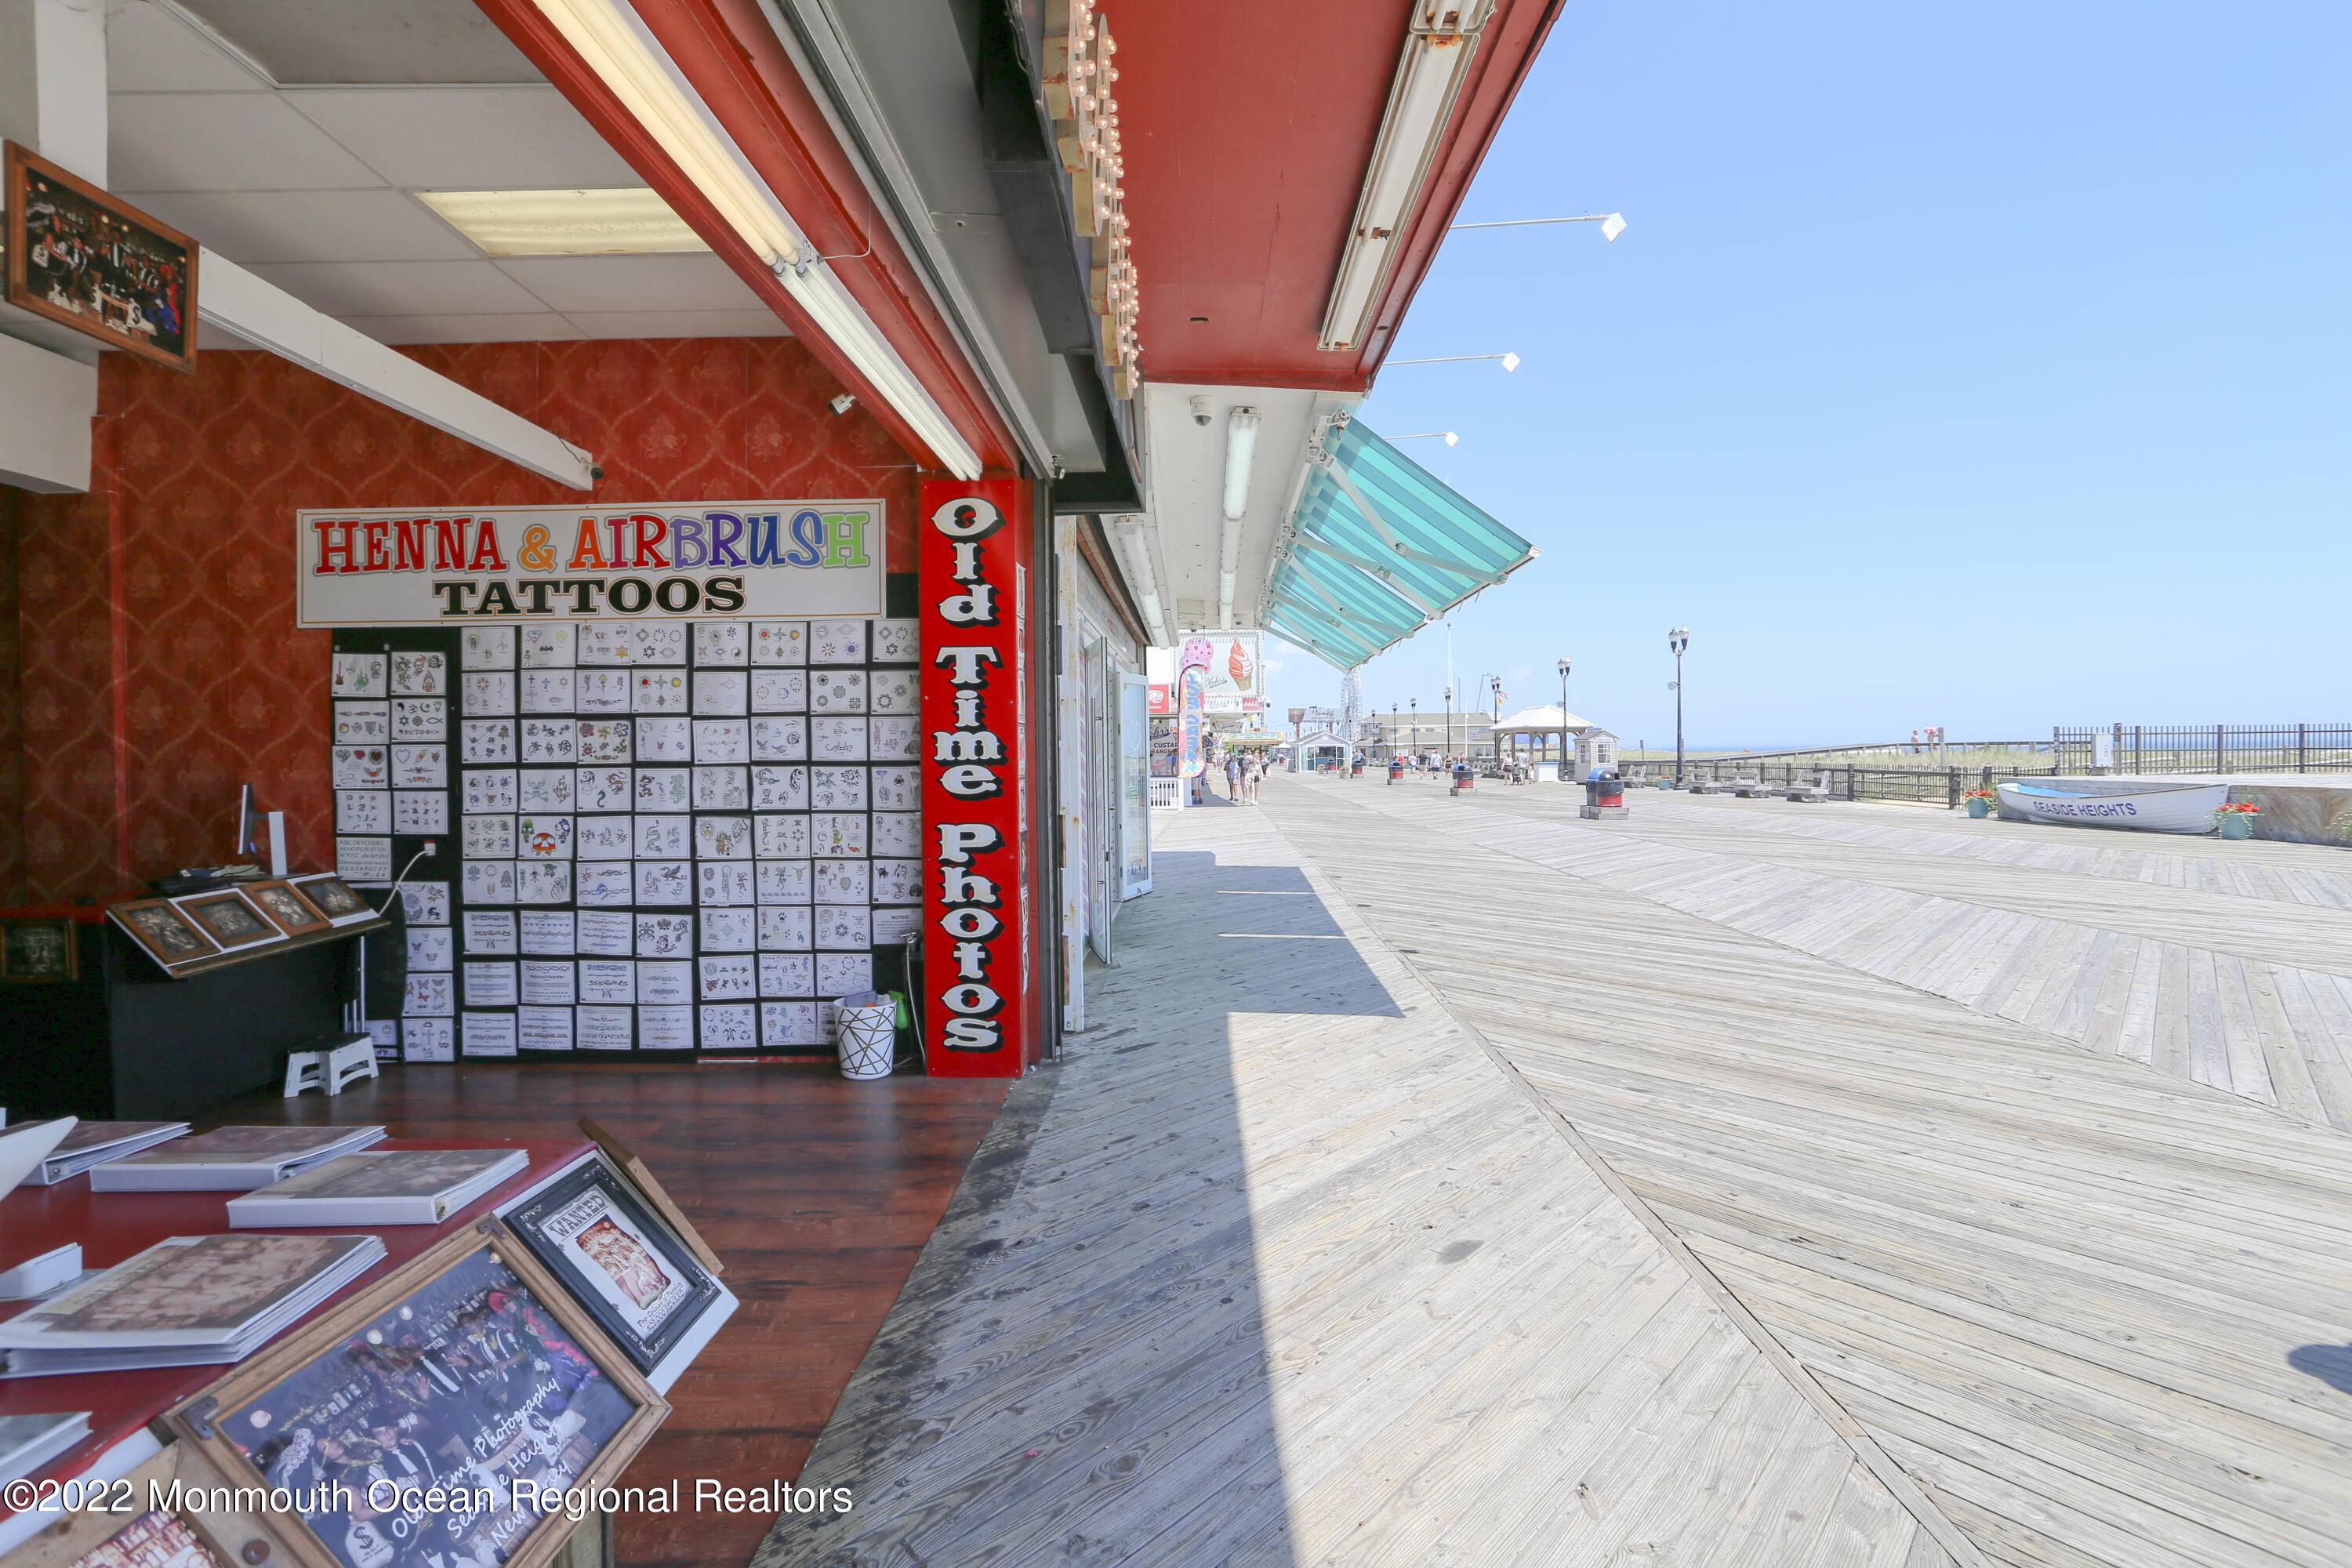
[840, 403]
[1204, 411]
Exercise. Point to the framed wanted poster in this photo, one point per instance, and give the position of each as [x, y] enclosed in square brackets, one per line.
[436, 1417]
[631, 1271]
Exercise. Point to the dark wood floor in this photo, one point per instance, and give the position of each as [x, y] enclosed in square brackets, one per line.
[817, 1192]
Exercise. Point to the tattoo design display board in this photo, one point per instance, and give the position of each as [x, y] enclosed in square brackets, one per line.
[648, 835]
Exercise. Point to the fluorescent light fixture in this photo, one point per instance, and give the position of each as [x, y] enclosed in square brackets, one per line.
[634, 221]
[1429, 77]
[612, 41]
[1241, 446]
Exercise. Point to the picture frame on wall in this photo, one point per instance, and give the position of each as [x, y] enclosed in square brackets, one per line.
[229, 917]
[635, 1275]
[470, 1360]
[41, 950]
[87, 259]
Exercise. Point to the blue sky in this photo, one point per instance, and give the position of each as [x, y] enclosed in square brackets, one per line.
[1983, 366]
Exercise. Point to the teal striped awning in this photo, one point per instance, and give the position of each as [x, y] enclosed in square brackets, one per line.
[1378, 549]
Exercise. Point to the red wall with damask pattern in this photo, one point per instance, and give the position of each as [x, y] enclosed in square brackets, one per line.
[158, 664]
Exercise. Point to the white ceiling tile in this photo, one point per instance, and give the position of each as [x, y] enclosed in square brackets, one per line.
[221, 142]
[675, 282]
[349, 288]
[257, 228]
[680, 324]
[542, 327]
[149, 49]
[467, 138]
[385, 40]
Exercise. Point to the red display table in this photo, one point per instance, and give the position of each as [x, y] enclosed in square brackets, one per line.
[111, 1226]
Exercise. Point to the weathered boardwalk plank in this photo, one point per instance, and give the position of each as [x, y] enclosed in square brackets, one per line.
[1282, 1266]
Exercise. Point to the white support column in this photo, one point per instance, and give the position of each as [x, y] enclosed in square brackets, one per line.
[1070, 782]
[45, 404]
[53, 81]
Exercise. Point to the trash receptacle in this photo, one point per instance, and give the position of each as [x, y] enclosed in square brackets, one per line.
[1603, 790]
[865, 1035]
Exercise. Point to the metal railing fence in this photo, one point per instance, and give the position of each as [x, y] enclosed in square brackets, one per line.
[2205, 748]
[1946, 787]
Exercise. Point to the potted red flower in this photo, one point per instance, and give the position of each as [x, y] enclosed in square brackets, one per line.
[1981, 802]
[2235, 819]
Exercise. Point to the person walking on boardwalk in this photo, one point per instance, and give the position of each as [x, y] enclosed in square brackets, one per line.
[1233, 777]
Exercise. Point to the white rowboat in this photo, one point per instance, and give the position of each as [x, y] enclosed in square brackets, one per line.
[2142, 804]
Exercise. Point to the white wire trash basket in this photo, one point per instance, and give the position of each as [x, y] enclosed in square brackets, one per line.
[865, 1034]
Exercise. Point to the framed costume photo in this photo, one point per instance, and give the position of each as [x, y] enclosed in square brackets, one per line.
[116, 1527]
[469, 1370]
[632, 1273]
[43, 949]
[287, 910]
[90, 261]
[332, 897]
[163, 933]
[229, 918]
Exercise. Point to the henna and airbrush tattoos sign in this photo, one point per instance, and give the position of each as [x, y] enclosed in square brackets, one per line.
[971, 561]
[796, 558]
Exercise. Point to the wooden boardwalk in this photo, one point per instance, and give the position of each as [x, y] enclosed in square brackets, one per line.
[2096, 1308]
[1281, 1265]
[1455, 1182]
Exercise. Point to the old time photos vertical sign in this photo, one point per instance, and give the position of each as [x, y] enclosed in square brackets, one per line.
[971, 559]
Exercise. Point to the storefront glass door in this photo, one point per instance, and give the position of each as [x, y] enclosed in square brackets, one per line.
[1134, 786]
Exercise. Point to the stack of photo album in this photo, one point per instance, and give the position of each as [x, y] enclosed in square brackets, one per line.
[188, 1300]
[403, 1186]
[230, 1159]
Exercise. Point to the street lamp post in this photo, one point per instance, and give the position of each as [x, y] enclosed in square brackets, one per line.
[1678, 639]
[1563, 721]
[1416, 701]
[1449, 724]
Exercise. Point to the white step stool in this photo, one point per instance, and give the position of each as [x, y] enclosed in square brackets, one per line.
[330, 1070]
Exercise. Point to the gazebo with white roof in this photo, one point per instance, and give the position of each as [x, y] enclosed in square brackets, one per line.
[1549, 726]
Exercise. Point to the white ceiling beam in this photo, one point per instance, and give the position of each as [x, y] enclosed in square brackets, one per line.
[236, 300]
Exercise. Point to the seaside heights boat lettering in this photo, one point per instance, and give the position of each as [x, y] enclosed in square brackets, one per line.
[403, 567]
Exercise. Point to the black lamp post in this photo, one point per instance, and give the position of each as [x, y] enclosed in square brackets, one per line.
[1415, 741]
[1449, 723]
[1678, 639]
[1563, 721]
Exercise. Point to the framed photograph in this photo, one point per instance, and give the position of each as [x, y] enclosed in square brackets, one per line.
[634, 1274]
[98, 265]
[332, 897]
[229, 917]
[287, 910]
[116, 1529]
[163, 933]
[44, 950]
[625, 1159]
[469, 1368]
